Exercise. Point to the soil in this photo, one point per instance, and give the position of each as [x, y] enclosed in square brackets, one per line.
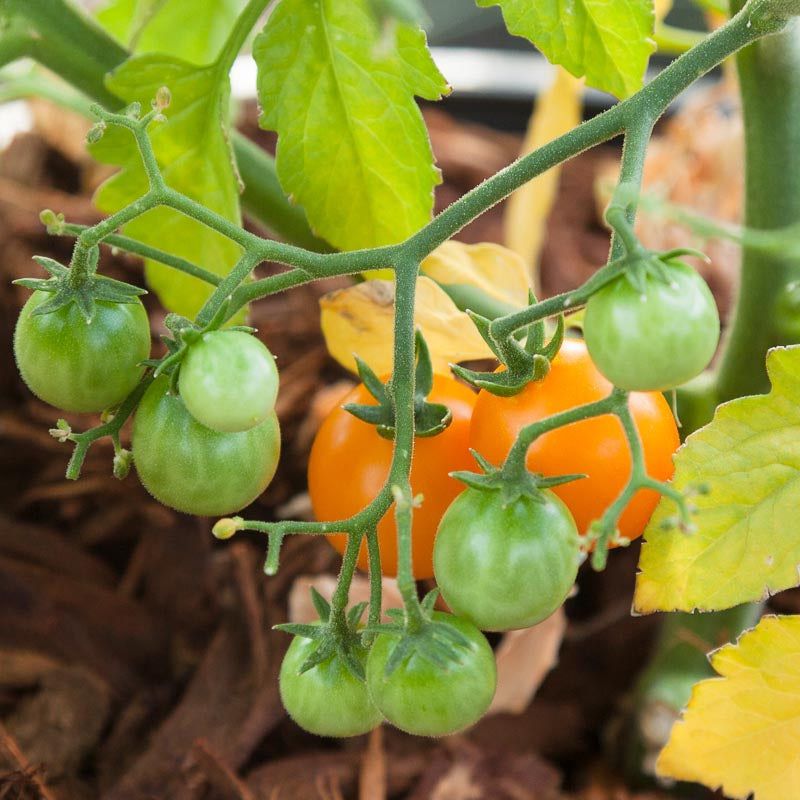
[137, 656]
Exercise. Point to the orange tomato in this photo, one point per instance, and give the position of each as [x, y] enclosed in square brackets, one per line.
[350, 462]
[596, 447]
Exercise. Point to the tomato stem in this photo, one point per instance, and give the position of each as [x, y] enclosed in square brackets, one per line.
[515, 463]
[401, 389]
[338, 619]
[769, 74]
[621, 211]
[83, 441]
[375, 582]
[245, 22]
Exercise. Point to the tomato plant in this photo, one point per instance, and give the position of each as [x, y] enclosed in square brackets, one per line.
[505, 564]
[427, 699]
[194, 469]
[653, 337]
[77, 365]
[595, 447]
[229, 381]
[362, 204]
[327, 699]
[345, 443]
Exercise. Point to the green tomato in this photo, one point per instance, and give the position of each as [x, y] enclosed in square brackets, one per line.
[229, 381]
[77, 365]
[656, 339]
[505, 566]
[327, 699]
[191, 468]
[428, 700]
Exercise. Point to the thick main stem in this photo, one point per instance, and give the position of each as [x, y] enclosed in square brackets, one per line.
[402, 394]
[769, 76]
[70, 43]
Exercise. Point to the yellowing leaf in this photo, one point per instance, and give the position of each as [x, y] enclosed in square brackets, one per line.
[360, 320]
[558, 110]
[746, 545]
[742, 732]
[492, 268]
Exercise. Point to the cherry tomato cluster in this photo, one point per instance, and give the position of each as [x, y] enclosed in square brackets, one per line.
[419, 696]
[206, 441]
[490, 424]
[499, 564]
[209, 449]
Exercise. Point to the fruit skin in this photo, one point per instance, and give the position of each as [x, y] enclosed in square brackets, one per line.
[504, 567]
[193, 469]
[79, 366]
[327, 699]
[596, 447]
[656, 339]
[427, 700]
[229, 381]
[349, 464]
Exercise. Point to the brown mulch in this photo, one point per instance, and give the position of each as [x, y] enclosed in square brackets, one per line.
[137, 658]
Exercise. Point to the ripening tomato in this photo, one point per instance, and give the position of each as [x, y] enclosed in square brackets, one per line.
[349, 464]
[596, 447]
[653, 338]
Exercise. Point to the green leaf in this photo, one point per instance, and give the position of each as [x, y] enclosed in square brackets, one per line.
[352, 148]
[193, 30]
[194, 156]
[607, 41]
[746, 544]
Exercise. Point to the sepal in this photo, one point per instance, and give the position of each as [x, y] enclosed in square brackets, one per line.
[430, 419]
[523, 364]
[95, 288]
[342, 641]
[511, 484]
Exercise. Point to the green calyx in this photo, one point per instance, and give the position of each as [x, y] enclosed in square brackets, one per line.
[184, 334]
[523, 363]
[511, 481]
[430, 419]
[656, 266]
[84, 293]
[436, 642]
[334, 637]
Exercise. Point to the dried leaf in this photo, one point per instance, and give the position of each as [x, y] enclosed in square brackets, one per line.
[492, 268]
[662, 8]
[301, 608]
[523, 660]
[372, 780]
[360, 320]
[557, 111]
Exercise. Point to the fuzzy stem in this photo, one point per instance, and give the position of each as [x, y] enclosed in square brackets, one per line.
[401, 391]
[769, 76]
[245, 23]
[621, 213]
[342, 592]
